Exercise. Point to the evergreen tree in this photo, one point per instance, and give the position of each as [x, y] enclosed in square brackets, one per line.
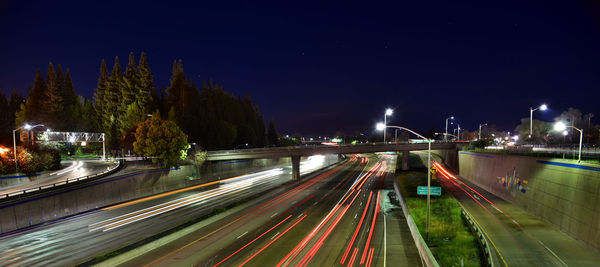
[147, 96]
[72, 104]
[14, 104]
[53, 101]
[33, 110]
[99, 98]
[112, 103]
[272, 134]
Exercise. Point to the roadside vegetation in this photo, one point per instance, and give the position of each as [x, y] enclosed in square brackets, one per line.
[450, 239]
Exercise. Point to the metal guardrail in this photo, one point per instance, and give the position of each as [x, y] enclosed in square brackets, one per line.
[68, 181]
[481, 238]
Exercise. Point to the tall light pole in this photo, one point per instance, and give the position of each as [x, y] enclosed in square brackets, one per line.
[458, 132]
[479, 136]
[26, 127]
[388, 112]
[561, 126]
[381, 126]
[531, 110]
[446, 135]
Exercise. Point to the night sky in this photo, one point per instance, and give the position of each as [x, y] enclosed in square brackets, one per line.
[318, 68]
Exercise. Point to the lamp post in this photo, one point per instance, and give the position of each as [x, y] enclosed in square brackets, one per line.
[26, 127]
[479, 135]
[388, 112]
[458, 132]
[531, 110]
[446, 136]
[561, 126]
[381, 126]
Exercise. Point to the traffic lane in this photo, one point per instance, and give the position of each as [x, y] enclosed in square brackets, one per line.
[45, 244]
[218, 246]
[522, 237]
[311, 245]
[361, 237]
[73, 169]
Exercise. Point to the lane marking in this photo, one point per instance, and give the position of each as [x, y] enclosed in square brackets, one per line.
[384, 241]
[242, 235]
[561, 261]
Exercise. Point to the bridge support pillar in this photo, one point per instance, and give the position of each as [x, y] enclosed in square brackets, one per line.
[405, 157]
[295, 167]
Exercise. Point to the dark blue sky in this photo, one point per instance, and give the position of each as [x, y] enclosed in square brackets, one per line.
[316, 68]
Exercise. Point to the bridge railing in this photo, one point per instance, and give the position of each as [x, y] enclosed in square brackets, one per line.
[290, 148]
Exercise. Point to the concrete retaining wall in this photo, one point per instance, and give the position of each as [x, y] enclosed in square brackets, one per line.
[126, 187]
[563, 193]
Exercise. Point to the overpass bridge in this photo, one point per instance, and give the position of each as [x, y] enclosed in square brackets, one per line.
[304, 151]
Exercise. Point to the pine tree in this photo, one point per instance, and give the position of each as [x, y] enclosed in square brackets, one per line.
[72, 104]
[53, 100]
[112, 103]
[99, 98]
[147, 95]
[33, 110]
[272, 134]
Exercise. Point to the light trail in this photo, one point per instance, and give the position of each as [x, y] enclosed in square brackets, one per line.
[362, 259]
[253, 240]
[362, 218]
[174, 204]
[273, 240]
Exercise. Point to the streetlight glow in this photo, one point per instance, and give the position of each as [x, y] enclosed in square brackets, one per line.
[543, 107]
[380, 126]
[389, 112]
[27, 126]
[560, 126]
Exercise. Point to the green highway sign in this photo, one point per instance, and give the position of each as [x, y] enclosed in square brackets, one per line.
[435, 190]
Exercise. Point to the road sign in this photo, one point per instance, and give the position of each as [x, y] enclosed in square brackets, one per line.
[435, 190]
[433, 170]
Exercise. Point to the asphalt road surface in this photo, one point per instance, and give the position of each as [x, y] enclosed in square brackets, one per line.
[519, 238]
[72, 169]
[342, 216]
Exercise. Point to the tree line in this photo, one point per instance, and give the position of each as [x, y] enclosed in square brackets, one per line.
[211, 117]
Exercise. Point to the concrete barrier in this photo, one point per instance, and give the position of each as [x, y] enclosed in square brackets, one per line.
[125, 187]
[561, 192]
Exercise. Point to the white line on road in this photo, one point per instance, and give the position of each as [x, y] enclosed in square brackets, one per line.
[553, 253]
[274, 214]
[242, 235]
[275, 235]
[384, 240]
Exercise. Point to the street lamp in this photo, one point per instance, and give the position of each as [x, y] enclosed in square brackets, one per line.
[561, 126]
[388, 112]
[458, 132]
[382, 126]
[26, 127]
[446, 136]
[479, 136]
[531, 110]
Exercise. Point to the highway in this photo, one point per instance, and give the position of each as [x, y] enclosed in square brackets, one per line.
[340, 217]
[519, 238]
[76, 239]
[73, 169]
